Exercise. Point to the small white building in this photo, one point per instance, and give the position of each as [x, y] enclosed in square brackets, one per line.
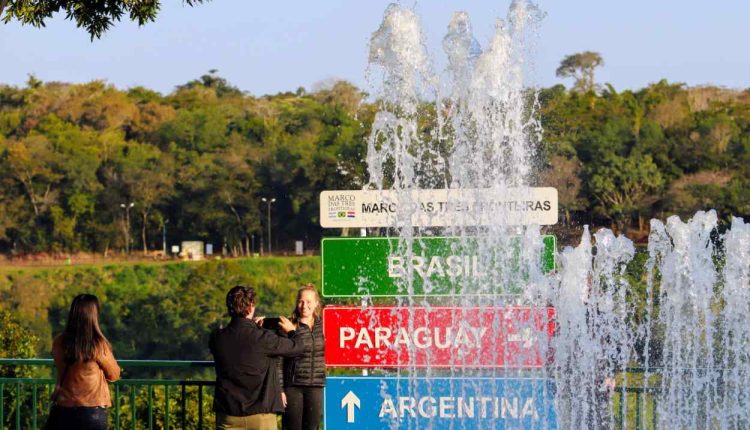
[192, 250]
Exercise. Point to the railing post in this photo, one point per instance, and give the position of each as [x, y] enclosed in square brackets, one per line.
[623, 400]
[18, 406]
[48, 398]
[117, 407]
[150, 407]
[638, 397]
[166, 407]
[132, 408]
[183, 404]
[2, 404]
[33, 406]
[200, 407]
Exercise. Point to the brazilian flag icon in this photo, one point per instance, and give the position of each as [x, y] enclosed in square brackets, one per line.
[342, 214]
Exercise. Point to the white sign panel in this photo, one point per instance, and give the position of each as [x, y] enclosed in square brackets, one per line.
[438, 208]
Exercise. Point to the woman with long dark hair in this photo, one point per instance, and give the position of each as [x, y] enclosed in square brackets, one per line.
[305, 376]
[85, 363]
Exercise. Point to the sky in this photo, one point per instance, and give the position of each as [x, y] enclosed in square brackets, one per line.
[265, 47]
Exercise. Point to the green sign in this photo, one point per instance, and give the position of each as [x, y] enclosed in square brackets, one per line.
[440, 266]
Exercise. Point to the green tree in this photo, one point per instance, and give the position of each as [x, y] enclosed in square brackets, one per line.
[220, 197]
[564, 174]
[96, 17]
[623, 186]
[148, 176]
[581, 66]
[221, 86]
[29, 163]
[15, 342]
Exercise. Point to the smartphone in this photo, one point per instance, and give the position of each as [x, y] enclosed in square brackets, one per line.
[271, 323]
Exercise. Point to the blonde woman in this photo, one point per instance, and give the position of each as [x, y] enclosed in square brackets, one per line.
[305, 375]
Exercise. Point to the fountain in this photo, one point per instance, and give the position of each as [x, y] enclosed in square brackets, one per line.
[564, 340]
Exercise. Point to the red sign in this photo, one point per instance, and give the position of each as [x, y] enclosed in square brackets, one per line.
[516, 337]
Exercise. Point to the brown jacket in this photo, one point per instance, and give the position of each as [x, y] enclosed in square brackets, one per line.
[84, 384]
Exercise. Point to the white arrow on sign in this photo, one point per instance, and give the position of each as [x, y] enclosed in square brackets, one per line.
[349, 402]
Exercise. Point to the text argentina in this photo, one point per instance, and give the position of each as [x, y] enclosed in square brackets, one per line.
[459, 407]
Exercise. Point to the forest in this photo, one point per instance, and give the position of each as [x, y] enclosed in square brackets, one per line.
[96, 169]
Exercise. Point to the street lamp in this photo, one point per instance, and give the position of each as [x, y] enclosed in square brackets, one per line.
[268, 220]
[126, 208]
[164, 236]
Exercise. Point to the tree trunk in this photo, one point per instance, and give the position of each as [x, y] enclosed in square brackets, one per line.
[29, 186]
[143, 233]
[125, 234]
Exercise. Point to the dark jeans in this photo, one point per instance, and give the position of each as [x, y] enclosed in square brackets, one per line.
[304, 408]
[79, 418]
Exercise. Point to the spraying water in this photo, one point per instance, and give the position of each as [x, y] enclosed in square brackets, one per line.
[476, 131]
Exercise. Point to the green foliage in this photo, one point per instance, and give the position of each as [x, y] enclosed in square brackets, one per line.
[211, 80]
[96, 17]
[149, 311]
[197, 162]
[621, 185]
[15, 342]
[665, 149]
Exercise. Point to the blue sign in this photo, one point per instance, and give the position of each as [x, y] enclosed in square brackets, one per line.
[379, 403]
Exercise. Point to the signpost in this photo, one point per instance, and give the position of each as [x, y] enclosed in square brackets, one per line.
[353, 267]
[374, 403]
[435, 337]
[513, 337]
[438, 208]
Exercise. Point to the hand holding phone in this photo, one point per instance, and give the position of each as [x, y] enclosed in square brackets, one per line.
[270, 323]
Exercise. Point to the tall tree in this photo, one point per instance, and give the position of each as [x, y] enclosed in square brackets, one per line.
[28, 162]
[564, 175]
[148, 177]
[96, 16]
[581, 67]
[623, 186]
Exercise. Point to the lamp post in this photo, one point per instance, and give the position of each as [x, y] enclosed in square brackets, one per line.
[268, 203]
[126, 208]
[164, 237]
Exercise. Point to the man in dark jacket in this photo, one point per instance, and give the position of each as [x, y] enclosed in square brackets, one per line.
[248, 393]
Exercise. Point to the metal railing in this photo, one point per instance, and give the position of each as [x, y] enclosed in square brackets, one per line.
[158, 403]
[639, 409]
[153, 403]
